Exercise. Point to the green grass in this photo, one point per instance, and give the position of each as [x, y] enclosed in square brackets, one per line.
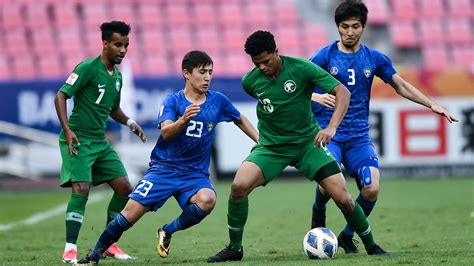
[419, 221]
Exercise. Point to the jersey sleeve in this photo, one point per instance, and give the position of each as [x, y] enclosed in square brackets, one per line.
[168, 110]
[384, 69]
[119, 96]
[319, 58]
[246, 85]
[79, 77]
[228, 111]
[319, 77]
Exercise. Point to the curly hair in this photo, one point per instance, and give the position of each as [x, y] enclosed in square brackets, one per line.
[259, 42]
[109, 28]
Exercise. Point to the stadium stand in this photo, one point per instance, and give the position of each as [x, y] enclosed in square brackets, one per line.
[168, 28]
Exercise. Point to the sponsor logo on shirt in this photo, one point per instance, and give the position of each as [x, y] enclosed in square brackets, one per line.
[210, 126]
[333, 71]
[258, 94]
[289, 86]
[117, 84]
[72, 78]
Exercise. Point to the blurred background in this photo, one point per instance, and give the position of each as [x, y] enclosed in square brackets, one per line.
[429, 41]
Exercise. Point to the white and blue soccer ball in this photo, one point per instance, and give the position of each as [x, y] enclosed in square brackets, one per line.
[320, 243]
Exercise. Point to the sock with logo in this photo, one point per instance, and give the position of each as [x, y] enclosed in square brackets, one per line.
[74, 216]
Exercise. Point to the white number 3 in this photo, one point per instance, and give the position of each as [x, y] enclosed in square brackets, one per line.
[351, 77]
[143, 188]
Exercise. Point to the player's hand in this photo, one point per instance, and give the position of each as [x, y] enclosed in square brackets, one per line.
[326, 99]
[138, 131]
[71, 139]
[441, 111]
[191, 111]
[324, 136]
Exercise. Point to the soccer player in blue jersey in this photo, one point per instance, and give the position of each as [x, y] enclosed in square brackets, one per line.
[179, 164]
[355, 66]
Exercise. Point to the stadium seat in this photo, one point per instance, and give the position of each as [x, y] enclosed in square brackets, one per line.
[65, 15]
[177, 15]
[234, 40]
[16, 42]
[149, 15]
[459, 32]
[435, 57]
[37, 16]
[257, 16]
[43, 42]
[460, 8]
[404, 9]
[288, 41]
[208, 39]
[237, 64]
[463, 57]
[205, 14]
[49, 67]
[124, 12]
[94, 14]
[179, 41]
[153, 41]
[231, 16]
[23, 68]
[378, 11]
[12, 18]
[431, 31]
[314, 37]
[287, 14]
[69, 41]
[4, 69]
[403, 34]
[431, 9]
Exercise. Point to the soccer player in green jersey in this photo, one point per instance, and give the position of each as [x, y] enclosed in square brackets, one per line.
[87, 157]
[288, 136]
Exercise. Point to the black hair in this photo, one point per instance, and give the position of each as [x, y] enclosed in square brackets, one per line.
[259, 42]
[351, 9]
[195, 59]
[109, 28]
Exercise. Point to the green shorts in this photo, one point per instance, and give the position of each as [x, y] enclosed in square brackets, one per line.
[307, 158]
[95, 162]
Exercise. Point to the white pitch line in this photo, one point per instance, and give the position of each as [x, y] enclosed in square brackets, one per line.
[38, 217]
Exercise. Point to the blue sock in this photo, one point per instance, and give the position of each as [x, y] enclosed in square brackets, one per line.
[367, 207]
[190, 216]
[320, 201]
[111, 234]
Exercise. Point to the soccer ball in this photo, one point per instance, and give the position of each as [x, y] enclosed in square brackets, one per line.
[320, 243]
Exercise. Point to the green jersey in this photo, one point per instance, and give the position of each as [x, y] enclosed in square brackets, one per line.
[95, 93]
[284, 104]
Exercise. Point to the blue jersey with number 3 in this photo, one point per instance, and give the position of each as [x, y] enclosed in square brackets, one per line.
[190, 150]
[356, 71]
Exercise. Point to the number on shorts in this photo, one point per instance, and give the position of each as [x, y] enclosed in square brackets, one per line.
[143, 188]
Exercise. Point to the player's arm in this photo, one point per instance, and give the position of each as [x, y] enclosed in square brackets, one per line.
[119, 116]
[342, 103]
[170, 129]
[246, 126]
[326, 99]
[408, 91]
[61, 111]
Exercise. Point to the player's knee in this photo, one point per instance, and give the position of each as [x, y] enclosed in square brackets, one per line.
[206, 199]
[81, 188]
[371, 193]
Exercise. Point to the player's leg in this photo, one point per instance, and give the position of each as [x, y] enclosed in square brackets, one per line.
[76, 173]
[197, 199]
[318, 217]
[361, 162]
[132, 212]
[108, 168]
[259, 168]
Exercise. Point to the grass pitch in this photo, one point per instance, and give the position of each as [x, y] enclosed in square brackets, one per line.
[419, 221]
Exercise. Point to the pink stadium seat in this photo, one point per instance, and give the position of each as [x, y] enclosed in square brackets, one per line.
[404, 9]
[237, 64]
[403, 34]
[378, 11]
[65, 15]
[37, 15]
[177, 15]
[234, 40]
[435, 58]
[69, 41]
[50, 68]
[153, 41]
[286, 13]
[431, 8]
[149, 15]
[43, 42]
[123, 12]
[314, 37]
[16, 43]
[288, 41]
[460, 8]
[208, 39]
[431, 31]
[179, 41]
[23, 68]
[463, 57]
[231, 16]
[459, 31]
[205, 14]
[11, 16]
[94, 15]
[4, 69]
[258, 16]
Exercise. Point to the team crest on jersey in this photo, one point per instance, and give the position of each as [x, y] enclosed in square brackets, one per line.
[210, 126]
[333, 71]
[289, 86]
[117, 84]
[367, 72]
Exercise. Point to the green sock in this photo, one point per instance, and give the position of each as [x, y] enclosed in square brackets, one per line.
[116, 205]
[236, 218]
[74, 216]
[359, 223]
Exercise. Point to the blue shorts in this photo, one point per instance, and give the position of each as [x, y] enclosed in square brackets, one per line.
[354, 154]
[157, 186]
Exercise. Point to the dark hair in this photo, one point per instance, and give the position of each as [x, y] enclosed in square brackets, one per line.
[109, 28]
[259, 42]
[195, 59]
[351, 9]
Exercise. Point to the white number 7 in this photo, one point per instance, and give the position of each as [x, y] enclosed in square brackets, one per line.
[102, 91]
